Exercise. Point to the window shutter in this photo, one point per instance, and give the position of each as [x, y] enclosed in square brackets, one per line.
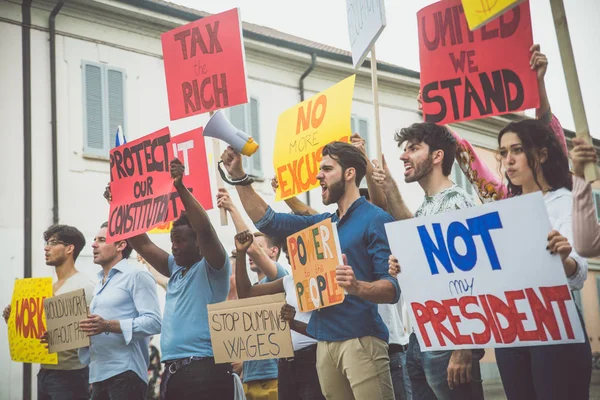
[577, 300]
[255, 133]
[237, 117]
[93, 108]
[596, 197]
[353, 124]
[116, 104]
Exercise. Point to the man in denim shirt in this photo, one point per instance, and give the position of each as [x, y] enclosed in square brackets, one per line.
[352, 357]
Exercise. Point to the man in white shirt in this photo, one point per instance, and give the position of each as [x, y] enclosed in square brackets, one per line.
[68, 378]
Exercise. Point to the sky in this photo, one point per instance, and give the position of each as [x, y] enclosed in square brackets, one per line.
[324, 21]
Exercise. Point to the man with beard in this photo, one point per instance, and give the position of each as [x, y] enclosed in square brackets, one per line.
[123, 316]
[198, 272]
[69, 378]
[428, 157]
[352, 357]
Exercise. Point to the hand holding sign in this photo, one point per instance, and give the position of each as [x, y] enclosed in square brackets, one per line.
[93, 325]
[558, 244]
[582, 154]
[6, 313]
[243, 241]
[538, 62]
[345, 278]
[44, 339]
[394, 266]
[224, 200]
[288, 313]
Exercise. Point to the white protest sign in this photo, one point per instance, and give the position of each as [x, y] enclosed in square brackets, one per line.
[482, 277]
[366, 20]
[249, 329]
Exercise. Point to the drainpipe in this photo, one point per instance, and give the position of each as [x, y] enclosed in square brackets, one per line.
[26, 55]
[52, 26]
[313, 62]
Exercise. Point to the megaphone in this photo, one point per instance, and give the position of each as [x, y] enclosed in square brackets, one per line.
[219, 127]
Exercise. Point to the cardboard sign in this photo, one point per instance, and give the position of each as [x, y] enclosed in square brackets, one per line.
[480, 12]
[314, 255]
[204, 65]
[468, 75]
[140, 184]
[482, 277]
[249, 329]
[303, 131]
[27, 321]
[190, 149]
[63, 314]
[366, 20]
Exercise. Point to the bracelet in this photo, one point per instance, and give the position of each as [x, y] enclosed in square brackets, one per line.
[243, 181]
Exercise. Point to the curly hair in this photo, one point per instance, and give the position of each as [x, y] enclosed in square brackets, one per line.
[536, 136]
[69, 235]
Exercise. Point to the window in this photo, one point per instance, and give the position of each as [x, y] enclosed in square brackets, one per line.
[103, 107]
[458, 177]
[361, 126]
[596, 197]
[577, 300]
[245, 118]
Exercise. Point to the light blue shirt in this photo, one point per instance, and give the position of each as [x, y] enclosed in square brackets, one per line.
[128, 296]
[185, 330]
[263, 369]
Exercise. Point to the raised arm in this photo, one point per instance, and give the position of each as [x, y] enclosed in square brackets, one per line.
[266, 265]
[254, 205]
[142, 244]
[294, 203]
[382, 177]
[375, 191]
[209, 242]
[244, 287]
[288, 313]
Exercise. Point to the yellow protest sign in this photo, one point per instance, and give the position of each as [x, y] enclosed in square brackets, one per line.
[314, 255]
[303, 131]
[28, 321]
[480, 12]
[162, 228]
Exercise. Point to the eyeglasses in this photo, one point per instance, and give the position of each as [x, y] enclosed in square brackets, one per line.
[54, 242]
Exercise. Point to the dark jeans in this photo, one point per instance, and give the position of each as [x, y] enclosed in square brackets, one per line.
[124, 386]
[428, 371]
[551, 372]
[200, 380]
[298, 379]
[398, 376]
[54, 384]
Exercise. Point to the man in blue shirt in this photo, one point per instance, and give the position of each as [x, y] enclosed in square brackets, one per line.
[352, 356]
[123, 315]
[260, 377]
[199, 272]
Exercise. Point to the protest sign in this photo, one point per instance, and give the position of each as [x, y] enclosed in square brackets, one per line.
[140, 184]
[303, 131]
[482, 277]
[27, 321]
[249, 329]
[204, 65]
[468, 75]
[314, 255]
[480, 12]
[366, 20]
[190, 149]
[63, 313]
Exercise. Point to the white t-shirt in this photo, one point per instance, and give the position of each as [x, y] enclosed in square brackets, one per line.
[391, 314]
[69, 360]
[298, 341]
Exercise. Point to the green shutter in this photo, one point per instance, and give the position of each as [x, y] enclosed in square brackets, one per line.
[116, 104]
[93, 108]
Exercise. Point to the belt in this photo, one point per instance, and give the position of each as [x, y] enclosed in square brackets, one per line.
[397, 348]
[174, 365]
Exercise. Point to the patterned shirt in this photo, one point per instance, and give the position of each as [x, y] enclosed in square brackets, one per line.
[451, 199]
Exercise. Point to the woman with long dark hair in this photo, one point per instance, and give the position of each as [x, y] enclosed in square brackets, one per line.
[532, 160]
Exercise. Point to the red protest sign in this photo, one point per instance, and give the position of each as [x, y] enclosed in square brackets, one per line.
[140, 184]
[468, 75]
[190, 149]
[204, 65]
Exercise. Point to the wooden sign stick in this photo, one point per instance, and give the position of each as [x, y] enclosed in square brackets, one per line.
[375, 87]
[220, 183]
[592, 172]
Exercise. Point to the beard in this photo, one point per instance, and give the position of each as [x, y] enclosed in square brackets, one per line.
[421, 170]
[336, 191]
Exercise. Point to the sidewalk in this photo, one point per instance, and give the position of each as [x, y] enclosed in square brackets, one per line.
[494, 390]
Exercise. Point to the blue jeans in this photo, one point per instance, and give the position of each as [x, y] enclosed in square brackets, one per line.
[429, 377]
[400, 379]
[54, 384]
[124, 386]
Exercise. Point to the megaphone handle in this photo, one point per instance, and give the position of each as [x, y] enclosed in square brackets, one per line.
[220, 183]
